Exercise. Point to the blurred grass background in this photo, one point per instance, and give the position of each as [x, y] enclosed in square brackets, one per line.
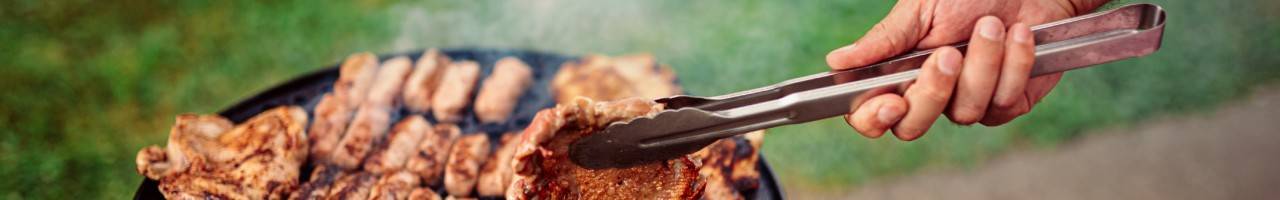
[88, 83]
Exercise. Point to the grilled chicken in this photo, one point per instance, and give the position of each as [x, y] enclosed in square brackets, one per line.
[606, 79]
[425, 79]
[454, 92]
[400, 144]
[209, 159]
[429, 160]
[373, 116]
[496, 173]
[353, 185]
[332, 115]
[543, 169]
[729, 165]
[355, 76]
[322, 178]
[502, 89]
[394, 186]
[423, 194]
[465, 158]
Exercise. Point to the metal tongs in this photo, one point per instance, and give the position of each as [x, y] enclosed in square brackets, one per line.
[690, 123]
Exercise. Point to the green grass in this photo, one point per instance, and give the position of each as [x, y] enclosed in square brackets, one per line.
[87, 84]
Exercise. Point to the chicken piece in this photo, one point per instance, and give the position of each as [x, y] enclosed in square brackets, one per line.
[454, 92]
[496, 174]
[729, 165]
[426, 77]
[502, 89]
[354, 185]
[543, 169]
[368, 124]
[322, 178]
[400, 144]
[433, 152]
[373, 116]
[331, 117]
[355, 76]
[394, 186]
[581, 79]
[386, 89]
[190, 137]
[208, 158]
[605, 79]
[465, 159]
[648, 79]
[423, 194]
[746, 157]
[451, 197]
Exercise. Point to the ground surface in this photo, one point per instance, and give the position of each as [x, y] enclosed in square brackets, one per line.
[1225, 154]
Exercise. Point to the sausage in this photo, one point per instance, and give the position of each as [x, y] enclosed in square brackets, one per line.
[426, 76]
[502, 89]
[463, 168]
[454, 92]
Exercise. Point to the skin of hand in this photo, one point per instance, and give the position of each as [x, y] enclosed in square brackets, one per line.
[990, 84]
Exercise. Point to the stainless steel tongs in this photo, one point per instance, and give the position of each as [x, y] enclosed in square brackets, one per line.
[690, 123]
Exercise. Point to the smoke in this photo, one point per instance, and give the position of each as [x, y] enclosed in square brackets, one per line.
[704, 41]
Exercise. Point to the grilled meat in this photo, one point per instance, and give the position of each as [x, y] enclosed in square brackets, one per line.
[373, 116]
[432, 153]
[496, 173]
[400, 144]
[423, 194]
[543, 169]
[356, 75]
[322, 178]
[454, 92]
[331, 117]
[465, 158]
[352, 185]
[502, 89]
[606, 79]
[426, 76]
[394, 186]
[208, 158]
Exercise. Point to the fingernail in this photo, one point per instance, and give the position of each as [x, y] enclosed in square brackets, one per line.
[1020, 33]
[949, 63]
[990, 28]
[888, 115]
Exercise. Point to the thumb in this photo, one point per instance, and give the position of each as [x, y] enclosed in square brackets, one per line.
[895, 34]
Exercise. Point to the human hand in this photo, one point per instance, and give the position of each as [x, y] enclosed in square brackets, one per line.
[990, 84]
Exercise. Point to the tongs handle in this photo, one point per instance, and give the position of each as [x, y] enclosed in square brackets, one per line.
[1126, 32]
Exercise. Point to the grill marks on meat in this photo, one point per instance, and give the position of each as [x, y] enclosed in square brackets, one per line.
[496, 174]
[356, 75]
[454, 92]
[465, 159]
[207, 158]
[421, 85]
[729, 166]
[502, 89]
[394, 186]
[336, 109]
[352, 185]
[544, 171]
[331, 119]
[373, 116]
[400, 144]
[429, 160]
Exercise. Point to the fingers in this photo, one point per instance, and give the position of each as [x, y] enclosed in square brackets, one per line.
[877, 115]
[982, 68]
[895, 34]
[1010, 99]
[929, 95]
